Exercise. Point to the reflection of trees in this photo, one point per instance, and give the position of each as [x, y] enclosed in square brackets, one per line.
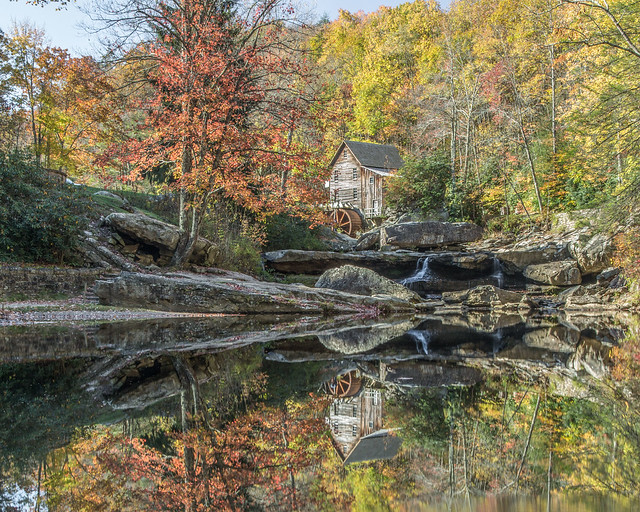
[512, 436]
[207, 463]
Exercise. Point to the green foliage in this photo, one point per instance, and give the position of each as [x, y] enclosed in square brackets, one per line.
[421, 184]
[285, 232]
[40, 219]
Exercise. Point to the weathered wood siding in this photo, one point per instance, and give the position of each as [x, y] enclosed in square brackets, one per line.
[353, 186]
[355, 417]
[345, 185]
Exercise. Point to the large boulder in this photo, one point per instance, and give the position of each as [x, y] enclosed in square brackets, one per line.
[593, 254]
[363, 281]
[138, 229]
[141, 228]
[488, 297]
[557, 273]
[515, 259]
[423, 235]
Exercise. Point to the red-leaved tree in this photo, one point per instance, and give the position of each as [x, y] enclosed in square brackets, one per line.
[230, 91]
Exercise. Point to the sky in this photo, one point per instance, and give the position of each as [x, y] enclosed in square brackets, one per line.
[62, 26]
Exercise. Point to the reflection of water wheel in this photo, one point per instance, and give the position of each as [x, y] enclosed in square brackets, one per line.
[345, 385]
[347, 221]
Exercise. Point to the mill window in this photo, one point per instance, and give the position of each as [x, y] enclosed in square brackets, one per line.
[355, 174]
[355, 193]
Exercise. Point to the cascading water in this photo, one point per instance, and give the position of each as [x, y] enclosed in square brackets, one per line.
[423, 272]
[422, 339]
[430, 278]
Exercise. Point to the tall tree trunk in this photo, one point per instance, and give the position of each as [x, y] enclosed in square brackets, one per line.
[532, 167]
[528, 443]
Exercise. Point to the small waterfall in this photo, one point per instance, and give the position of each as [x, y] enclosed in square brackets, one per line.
[422, 339]
[423, 272]
[497, 275]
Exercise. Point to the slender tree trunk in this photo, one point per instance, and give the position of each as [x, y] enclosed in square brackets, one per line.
[552, 57]
[528, 443]
[531, 166]
[549, 484]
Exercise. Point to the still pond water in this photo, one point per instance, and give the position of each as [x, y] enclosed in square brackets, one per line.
[477, 413]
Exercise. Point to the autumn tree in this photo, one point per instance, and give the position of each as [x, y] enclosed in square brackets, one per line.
[229, 93]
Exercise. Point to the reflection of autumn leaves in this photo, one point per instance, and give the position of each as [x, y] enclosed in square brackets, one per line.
[204, 468]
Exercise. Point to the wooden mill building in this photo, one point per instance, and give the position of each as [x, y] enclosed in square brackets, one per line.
[358, 173]
[355, 418]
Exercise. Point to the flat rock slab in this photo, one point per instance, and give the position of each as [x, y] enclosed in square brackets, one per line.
[388, 264]
[425, 235]
[217, 294]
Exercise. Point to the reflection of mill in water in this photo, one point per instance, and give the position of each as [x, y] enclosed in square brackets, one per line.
[355, 418]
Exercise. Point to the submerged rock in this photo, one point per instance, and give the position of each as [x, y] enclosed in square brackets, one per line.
[423, 235]
[363, 281]
[557, 273]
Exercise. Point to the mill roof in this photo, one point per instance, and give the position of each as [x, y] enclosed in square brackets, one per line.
[377, 446]
[376, 156]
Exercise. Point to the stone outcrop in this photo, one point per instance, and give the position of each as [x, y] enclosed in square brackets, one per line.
[363, 281]
[460, 262]
[151, 241]
[518, 257]
[369, 240]
[142, 228]
[557, 273]
[389, 264]
[186, 292]
[488, 297]
[593, 254]
[425, 235]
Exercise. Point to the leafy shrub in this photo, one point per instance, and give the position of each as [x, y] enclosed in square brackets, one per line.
[40, 219]
[421, 184]
[285, 232]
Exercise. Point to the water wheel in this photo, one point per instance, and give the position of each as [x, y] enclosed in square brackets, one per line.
[345, 385]
[347, 221]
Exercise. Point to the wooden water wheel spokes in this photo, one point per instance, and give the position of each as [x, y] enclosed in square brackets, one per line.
[347, 221]
[347, 384]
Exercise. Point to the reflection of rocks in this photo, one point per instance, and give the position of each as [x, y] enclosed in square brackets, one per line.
[357, 340]
[423, 374]
[557, 273]
[592, 357]
[555, 338]
[363, 281]
[488, 297]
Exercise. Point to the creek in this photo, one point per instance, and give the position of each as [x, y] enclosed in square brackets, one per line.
[479, 411]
